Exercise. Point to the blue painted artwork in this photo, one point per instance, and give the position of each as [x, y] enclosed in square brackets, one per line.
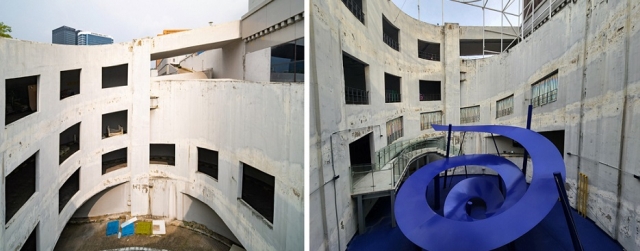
[128, 230]
[503, 218]
[112, 227]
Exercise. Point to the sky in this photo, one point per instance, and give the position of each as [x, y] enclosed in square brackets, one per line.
[124, 20]
[454, 12]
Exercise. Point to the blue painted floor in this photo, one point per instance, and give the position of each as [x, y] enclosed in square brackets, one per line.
[550, 234]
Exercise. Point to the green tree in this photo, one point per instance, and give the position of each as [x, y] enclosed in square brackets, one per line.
[4, 30]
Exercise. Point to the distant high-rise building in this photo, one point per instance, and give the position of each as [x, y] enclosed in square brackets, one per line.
[90, 38]
[64, 35]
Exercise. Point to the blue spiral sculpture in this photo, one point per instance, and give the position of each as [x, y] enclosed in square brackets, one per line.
[506, 217]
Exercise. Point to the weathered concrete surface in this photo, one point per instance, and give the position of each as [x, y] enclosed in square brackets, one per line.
[594, 46]
[182, 43]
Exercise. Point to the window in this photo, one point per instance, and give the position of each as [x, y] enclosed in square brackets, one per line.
[360, 154]
[69, 83]
[390, 34]
[391, 88]
[428, 51]
[31, 243]
[162, 154]
[355, 6]
[428, 118]
[114, 160]
[115, 76]
[470, 114]
[394, 130]
[258, 191]
[19, 186]
[69, 142]
[545, 91]
[114, 124]
[287, 62]
[429, 90]
[355, 83]
[208, 162]
[68, 190]
[504, 107]
[21, 98]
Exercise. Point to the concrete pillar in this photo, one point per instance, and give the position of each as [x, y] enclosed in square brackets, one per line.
[361, 227]
[451, 61]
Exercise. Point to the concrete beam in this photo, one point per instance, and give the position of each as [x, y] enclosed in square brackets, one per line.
[186, 42]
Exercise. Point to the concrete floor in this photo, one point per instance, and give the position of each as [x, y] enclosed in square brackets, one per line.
[92, 236]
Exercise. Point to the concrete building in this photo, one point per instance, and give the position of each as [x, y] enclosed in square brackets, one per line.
[380, 77]
[91, 38]
[64, 35]
[225, 152]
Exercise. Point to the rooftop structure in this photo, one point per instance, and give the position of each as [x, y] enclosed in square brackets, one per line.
[91, 38]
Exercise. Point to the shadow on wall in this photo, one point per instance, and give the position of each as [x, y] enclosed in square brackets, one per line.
[112, 200]
[199, 212]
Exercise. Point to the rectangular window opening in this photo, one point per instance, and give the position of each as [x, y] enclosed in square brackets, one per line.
[69, 83]
[21, 98]
[504, 107]
[429, 118]
[287, 62]
[545, 91]
[429, 51]
[114, 160]
[68, 190]
[355, 6]
[258, 190]
[31, 244]
[557, 138]
[355, 83]
[69, 142]
[162, 154]
[394, 130]
[20, 185]
[390, 34]
[392, 89]
[115, 76]
[430, 90]
[114, 124]
[208, 162]
[470, 114]
[360, 154]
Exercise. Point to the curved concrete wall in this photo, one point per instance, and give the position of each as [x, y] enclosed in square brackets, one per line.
[256, 123]
[594, 48]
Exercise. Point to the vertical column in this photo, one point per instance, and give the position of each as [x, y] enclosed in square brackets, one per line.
[361, 227]
[139, 124]
[451, 77]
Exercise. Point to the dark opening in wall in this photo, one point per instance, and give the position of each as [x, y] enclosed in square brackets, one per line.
[355, 6]
[208, 162]
[114, 124]
[428, 51]
[287, 61]
[20, 186]
[430, 90]
[69, 142]
[473, 47]
[390, 34]
[114, 76]
[31, 244]
[360, 154]
[557, 138]
[21, 98]
[162, 154]
[355, 83]
[114, 160]
[69, 83]
[392, 89]
[68, 190]
[258, 190]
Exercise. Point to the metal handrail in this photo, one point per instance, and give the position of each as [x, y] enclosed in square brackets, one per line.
[430, 97]
[429, 56]
[355, 9]
[393, 43]
[354, 96]
[392, 97]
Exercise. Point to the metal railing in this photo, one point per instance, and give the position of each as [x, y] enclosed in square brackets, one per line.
[392, 97]
[393, 43]
[545, 98]
[355, 8]
[470, 119]
[354, 96]
[504, 112]
[430, 97]
[391, 164]
[429, 56]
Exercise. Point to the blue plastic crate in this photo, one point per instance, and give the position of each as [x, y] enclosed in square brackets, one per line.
[112, 227]
[128, 230]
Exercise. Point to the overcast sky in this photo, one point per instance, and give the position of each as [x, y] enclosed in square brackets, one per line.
[123, 20]
[454, 12]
